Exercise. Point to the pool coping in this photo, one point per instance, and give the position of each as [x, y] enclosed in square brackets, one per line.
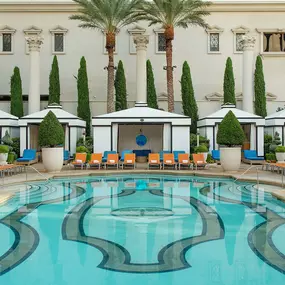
[279, 194]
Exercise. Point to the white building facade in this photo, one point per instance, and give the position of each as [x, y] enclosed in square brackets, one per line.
[205, 50]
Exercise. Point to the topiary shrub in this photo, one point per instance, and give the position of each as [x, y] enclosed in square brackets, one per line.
[54, 83]
[120, 88]
[16, 146]
[267, 141]
[275, 142]
[88, 143]
[150, 87]
[270, 157]
[201, 148]
[81, 149]
[280, 149]
[16, 108]
[229, 83]
[230, 132]
[51, 133]
[193, 142]
[210, 159]
[4, 149]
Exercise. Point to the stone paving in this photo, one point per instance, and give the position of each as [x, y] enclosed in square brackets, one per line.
[268, 181]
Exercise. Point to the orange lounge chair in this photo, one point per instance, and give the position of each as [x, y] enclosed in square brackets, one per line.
[168, 160]
[154, 160]
[112, 160]
[129, 160]
[95, 160]
[199, 160]
[183, 160]
[80, 160]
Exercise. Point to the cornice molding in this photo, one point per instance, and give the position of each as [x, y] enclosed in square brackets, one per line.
[46, 6]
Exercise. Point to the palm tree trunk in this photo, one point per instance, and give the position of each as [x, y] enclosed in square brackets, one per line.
[169, 75]
[110, 94]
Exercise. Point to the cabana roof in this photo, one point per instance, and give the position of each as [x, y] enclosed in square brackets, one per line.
[276, 119]
[242, 116]
[8, 120]
[141, 114]
[63, 117]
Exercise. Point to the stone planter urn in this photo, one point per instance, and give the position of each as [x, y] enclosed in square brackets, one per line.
[52, 159]
[230, 158]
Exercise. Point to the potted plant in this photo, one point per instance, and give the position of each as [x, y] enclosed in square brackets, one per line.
[202, 149]
[4, 150]
[230, 137]
[280, 153]
[51, 139]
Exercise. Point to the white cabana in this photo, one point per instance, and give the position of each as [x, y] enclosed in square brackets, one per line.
[74, 128]
[276, 123]
[252, 125]
[118, 131]
[8, 123]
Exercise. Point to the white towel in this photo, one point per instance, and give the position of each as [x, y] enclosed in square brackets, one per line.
[168, 161]
[184, 161]
[200, 161]
[112, 161]
[78, 160]
[129, 161]
[153, 161]
[95, 161]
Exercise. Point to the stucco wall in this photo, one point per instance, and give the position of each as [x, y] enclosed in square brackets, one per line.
[191, 45]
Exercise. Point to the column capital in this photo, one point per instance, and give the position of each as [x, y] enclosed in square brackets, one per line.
[141, 41]
[248, 42]
[34, 42]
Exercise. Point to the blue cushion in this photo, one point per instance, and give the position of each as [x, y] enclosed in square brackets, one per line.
[125, 152]
[176, 154]
[255, 158]
[28, 154]
[141, 152]
[104, 159]
[216, 154]
[66, 155]
[161, 153]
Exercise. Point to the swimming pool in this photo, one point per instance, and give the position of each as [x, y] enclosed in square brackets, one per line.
[142, 229]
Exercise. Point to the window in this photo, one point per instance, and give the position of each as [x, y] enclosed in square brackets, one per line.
[58, 40]
[160, 44]
[239, 32]
[6, 40]
[214, 34]
[272, 42]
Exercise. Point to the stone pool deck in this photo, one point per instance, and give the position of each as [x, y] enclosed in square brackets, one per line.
[268, 181]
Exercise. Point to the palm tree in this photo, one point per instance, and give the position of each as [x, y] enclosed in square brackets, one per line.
[108, 16]
[171, 14]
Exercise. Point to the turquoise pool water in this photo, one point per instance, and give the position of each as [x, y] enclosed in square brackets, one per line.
[142, 230]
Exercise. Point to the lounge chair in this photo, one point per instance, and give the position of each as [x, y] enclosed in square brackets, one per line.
[80, 160]
[153, 160]
[95, 160]
[216, 155]
[129, 160]
[168, 160]
[199, 160]
[161, 154]
[183, 160]
[112, 160]
[66, 157]
[124, 152]
[251, 157]
[29, 157]
[106, 153]
[176, 154]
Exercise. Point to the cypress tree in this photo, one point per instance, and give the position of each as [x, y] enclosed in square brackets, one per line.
[259, 89]
[54, 84]
[120, 88]
[229, 83]
[189, 103]
[17, 108]
[151, 92]
[83, 107]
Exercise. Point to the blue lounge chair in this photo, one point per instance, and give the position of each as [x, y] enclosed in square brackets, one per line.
[123, 154]
[176, 154]
[66, 156]
[161, 153]
[250, 156]
[216, 155]
[29, 157]
[104, 159]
